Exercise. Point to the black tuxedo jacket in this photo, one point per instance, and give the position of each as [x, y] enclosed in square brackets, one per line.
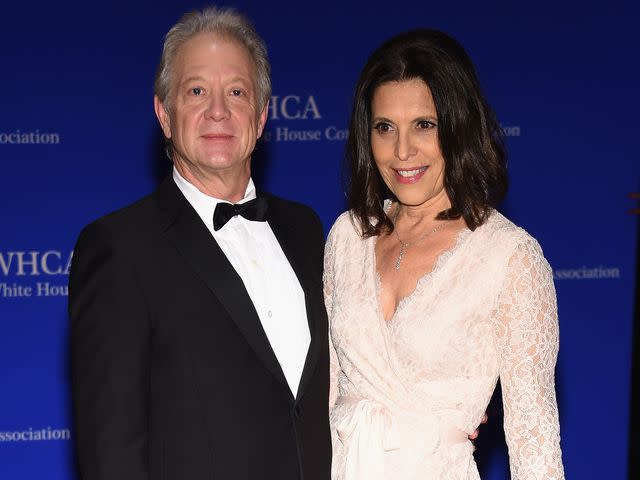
[173, 376]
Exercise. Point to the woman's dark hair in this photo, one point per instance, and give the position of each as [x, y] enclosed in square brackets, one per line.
[470, 138]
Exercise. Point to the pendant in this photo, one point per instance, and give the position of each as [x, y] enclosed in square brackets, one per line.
[403, 249]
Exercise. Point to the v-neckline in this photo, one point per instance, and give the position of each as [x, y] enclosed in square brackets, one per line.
[438, 264]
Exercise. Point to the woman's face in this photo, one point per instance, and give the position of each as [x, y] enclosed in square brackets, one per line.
[404, 141]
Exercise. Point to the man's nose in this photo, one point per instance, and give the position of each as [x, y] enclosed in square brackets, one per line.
[217, 108]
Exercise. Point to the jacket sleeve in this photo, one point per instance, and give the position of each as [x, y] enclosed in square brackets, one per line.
[110, 357]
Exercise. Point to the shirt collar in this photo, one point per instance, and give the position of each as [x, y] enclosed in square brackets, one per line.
[205, 204]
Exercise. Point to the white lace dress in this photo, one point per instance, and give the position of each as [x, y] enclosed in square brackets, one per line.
[406, 392]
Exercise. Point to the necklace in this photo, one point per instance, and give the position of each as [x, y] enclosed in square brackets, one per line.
[405, 245]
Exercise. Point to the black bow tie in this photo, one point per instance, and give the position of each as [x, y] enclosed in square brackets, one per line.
[254, 210]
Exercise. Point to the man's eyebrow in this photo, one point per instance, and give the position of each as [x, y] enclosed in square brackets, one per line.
[199, 78]
[194, 78]
[239, 78]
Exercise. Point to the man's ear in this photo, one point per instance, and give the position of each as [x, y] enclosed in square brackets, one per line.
[163, 116]
[262, 119]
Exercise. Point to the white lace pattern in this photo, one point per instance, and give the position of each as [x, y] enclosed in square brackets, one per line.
[406, 392]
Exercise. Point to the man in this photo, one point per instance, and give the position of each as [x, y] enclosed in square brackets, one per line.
[199, 336]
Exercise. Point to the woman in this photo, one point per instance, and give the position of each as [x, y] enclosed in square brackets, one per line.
[432, 294]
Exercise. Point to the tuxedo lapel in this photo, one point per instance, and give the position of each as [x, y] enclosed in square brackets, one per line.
[192, 239]
[292, 243]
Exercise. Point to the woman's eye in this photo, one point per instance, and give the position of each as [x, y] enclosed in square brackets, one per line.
[197, 91]
[426, 124]
[382, 127]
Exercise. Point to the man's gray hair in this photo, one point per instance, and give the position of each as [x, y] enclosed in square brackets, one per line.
[227, 23]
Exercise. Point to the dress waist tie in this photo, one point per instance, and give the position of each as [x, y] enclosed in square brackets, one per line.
[369, 429]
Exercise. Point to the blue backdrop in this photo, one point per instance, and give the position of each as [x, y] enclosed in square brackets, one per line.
[78, 138]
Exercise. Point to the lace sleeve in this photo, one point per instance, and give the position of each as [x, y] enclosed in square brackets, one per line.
[527, 340]
[328, 283]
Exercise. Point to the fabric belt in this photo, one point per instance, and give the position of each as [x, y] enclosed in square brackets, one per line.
[368, 429]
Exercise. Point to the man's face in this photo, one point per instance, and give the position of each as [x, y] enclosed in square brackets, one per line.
[213, 119]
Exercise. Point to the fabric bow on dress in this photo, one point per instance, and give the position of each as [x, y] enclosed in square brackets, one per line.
[369, 431]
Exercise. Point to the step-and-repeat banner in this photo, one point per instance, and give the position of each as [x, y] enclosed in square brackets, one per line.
[78, 139]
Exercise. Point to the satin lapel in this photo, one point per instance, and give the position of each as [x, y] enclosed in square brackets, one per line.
[293, 246]
[195, 243]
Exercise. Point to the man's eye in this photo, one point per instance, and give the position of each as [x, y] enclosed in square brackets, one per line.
[197, 91]
[382, 127]
[237, 92]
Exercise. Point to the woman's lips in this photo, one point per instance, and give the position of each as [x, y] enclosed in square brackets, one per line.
[409, 176]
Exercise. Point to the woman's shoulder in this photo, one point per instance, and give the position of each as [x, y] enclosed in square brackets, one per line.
[345, 226]
[501, 232]
[345, 240]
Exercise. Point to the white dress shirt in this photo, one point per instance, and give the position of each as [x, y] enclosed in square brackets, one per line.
[256, 255]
